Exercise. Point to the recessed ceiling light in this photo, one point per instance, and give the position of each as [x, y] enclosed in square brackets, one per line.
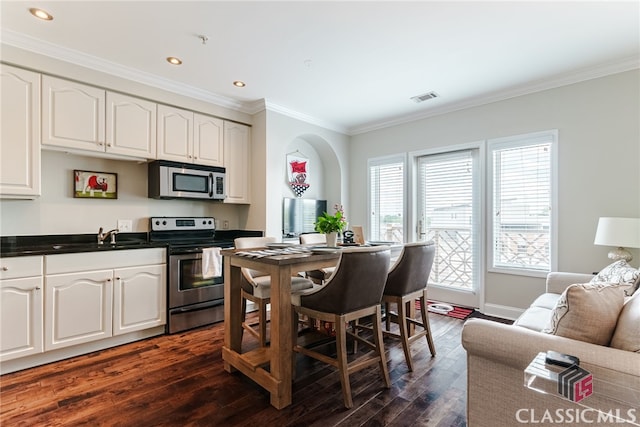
[173, 60]
[239, 83]
[41, 14]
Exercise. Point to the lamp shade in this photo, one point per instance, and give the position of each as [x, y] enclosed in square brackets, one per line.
[620, 232]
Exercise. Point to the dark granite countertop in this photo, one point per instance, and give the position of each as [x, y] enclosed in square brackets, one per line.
[51, 244]
[13, 246]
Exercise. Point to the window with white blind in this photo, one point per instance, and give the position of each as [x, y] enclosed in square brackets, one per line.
[522, 203]
[387, 199]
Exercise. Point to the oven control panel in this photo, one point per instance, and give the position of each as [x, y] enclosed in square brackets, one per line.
[182, 223]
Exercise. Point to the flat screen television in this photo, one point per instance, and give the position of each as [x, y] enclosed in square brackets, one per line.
[299, 215]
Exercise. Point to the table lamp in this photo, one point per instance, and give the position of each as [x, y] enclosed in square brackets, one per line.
[618, 232]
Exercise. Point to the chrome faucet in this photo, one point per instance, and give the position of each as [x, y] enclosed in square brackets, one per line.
[103, 236]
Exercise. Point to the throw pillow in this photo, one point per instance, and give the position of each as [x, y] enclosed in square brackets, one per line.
[619, 272]
[587, 312]
[627, 333]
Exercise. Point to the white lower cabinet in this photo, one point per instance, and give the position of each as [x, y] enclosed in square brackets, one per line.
[139, 298]
[20, 317]
[78, 308]
[116, 293]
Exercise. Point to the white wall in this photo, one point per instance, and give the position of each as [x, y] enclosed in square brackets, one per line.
[331, 149]
[599, 163]
[58, 212]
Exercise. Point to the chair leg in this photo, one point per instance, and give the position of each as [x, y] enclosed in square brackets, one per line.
[262, 318]
[425, 323]
[377, 337]
[341, 347]
[243, 309]
[411, 313]
[355, 332]
[387, 316]
[404, 333]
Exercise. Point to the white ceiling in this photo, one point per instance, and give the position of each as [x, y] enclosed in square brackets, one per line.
[347, 65]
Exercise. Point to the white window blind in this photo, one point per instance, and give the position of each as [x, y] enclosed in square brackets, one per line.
[447, 190]
[386, 199]
[522, 202]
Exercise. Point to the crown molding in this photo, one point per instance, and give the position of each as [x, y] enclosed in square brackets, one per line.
[42, 47]
[626, 64]
[22, 41]
[304, 117]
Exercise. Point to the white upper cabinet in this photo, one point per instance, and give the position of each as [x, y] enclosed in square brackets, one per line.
[208, 146]
[79, 117]
[131, 126]
[73, 115]
[188, 137]
[19, 133]
[237, 161]
[175, 134]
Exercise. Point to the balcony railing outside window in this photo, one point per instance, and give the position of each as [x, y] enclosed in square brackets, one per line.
[453, 264]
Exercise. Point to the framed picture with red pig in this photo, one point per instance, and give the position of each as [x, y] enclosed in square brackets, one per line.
[95, 185]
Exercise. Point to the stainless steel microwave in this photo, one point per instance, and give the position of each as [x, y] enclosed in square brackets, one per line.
[174, 180]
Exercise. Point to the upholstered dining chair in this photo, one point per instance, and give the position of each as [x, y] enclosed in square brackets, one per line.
[406, 282]
[320, 275]
[352, 292]
[256, 287]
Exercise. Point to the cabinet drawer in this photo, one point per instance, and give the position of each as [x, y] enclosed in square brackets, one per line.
[28, 266]
[86, 261]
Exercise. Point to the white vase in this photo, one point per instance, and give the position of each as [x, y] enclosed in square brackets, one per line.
[332, 239]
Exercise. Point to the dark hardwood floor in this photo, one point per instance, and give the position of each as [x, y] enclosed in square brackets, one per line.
[178, 380]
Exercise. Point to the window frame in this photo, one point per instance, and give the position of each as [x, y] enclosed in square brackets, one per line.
[386, 160]
[516, 141]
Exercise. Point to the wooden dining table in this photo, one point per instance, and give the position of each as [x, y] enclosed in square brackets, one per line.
[271, 367]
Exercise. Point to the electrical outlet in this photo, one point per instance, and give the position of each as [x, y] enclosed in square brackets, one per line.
[125, 225]
[225, 224]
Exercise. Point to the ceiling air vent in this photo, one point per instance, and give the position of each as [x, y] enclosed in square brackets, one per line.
[424, 97]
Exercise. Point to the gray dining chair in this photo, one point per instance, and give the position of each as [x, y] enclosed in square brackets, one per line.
[406, 283]
[353, 291]
[320, 275]
[256, 287]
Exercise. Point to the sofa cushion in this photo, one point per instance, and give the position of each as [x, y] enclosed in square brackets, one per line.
[587, 312]
[537, 316]
[619, 272]
[627, 333]
[534, 318]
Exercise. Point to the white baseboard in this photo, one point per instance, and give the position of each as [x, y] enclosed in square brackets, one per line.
[76, 350]
[503, 311]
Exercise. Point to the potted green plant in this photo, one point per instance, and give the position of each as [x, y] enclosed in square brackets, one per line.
[331, 225]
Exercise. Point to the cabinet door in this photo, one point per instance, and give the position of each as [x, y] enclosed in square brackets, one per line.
[139, 298]
[208, 147]
[78, 308]
[175, 134]
[20, 317]
[237, 161]
[73, 115]
[131, 126]
[19, 133]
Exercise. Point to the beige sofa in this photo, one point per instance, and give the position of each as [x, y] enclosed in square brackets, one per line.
[498, 354]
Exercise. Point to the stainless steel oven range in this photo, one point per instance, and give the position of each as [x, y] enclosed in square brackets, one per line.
[193, 299]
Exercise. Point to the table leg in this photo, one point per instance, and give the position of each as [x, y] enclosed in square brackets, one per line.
[232, 310]
[281, 335]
